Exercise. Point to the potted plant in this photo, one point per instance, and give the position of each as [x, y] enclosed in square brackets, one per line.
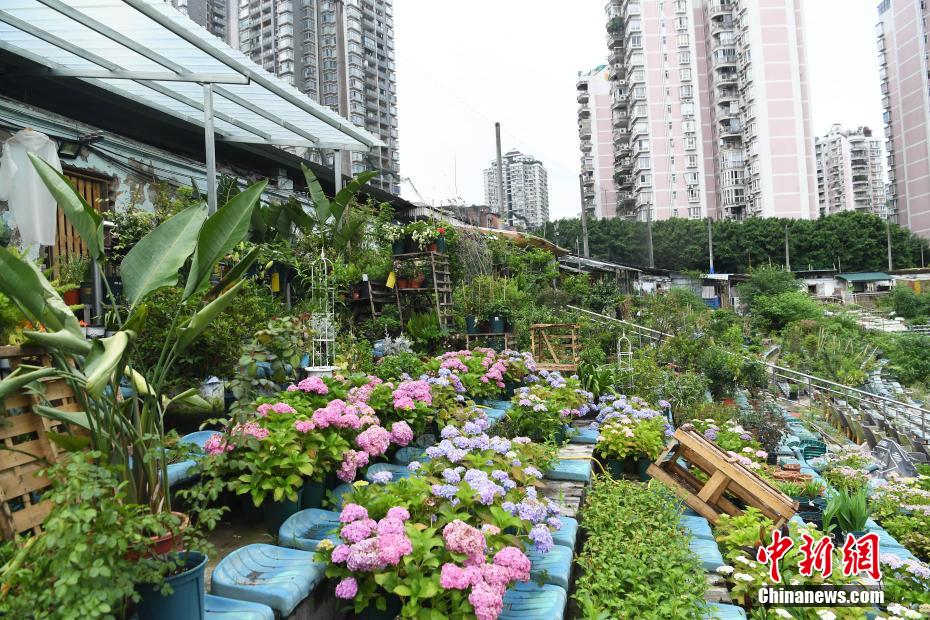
[394, 234]
[631, 444]
[127, 431]
[846, 513]
[440, 245]
[421, 234]
[71, 272]
[406, 271]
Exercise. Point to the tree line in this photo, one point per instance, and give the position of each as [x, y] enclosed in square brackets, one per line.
[849, 241]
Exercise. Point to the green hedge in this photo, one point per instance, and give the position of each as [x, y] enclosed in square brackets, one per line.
[636, 562]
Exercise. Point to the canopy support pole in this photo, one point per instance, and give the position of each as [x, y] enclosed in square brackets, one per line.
[210, 146]
[337, 171]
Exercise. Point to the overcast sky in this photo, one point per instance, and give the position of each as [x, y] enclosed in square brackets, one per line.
[461, 66]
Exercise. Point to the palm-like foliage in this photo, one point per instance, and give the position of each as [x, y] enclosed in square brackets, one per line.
[128, 432]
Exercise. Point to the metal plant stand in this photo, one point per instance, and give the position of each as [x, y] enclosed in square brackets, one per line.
[323, 318]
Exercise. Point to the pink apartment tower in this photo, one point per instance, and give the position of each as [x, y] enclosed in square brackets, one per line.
[718, 113]
[902, 53]
[595, 129]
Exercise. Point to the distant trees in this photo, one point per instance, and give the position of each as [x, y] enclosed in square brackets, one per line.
[850, 241]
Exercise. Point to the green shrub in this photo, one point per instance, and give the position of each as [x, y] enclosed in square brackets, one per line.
[636, 561]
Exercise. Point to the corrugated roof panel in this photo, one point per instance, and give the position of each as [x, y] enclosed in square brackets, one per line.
[150, 36]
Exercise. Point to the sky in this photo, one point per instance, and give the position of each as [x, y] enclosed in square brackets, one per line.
[461, 66]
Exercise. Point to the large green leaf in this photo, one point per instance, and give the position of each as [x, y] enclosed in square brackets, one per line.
[78, 418]
[341, 201]
[23, 282]
[105, 357]
[320, 201]
[220, 234]
[236, 272]
[62, 340]
[81, 215]
[17, 380]
[200, 321]
[154, 261]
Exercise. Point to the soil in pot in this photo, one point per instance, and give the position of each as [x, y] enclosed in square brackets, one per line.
[187, 593]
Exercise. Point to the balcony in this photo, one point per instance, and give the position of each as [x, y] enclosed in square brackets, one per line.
[583, 96]
[724, 57]
[584, 112]
[725, 78]
[727, 24]
[720, 9]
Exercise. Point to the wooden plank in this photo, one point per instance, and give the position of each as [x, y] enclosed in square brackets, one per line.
[31, 517]
[24, 480]
[698, 505]
[714, 487]
[14, 426]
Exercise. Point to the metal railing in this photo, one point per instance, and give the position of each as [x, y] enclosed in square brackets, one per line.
[847, 393]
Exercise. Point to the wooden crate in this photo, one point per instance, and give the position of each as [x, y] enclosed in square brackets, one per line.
[555, 346]
[727, 480]
[21, 507]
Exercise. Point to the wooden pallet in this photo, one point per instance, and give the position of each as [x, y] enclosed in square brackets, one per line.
[21, 507]
[555, 346]
[727, 480]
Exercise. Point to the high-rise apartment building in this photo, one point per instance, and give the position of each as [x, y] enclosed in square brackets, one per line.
[595, 128]
[339, 52]
[717, 109]
[849, 172]
[659, 132]
[758, 77]
[526, 191]
[903, 52]
[217, 16]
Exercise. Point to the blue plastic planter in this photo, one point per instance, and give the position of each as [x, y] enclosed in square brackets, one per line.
[276, 513]
[471, 324]
[497, 325]
[187, 596]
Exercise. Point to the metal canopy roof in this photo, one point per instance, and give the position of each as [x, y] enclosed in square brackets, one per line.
[865, 276]
[148, 52]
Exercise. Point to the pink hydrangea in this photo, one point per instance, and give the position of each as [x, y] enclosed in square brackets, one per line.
[263, 409]
[351, 462]
[390, 525]
[357, 531]
[364, 556]
[392, 548]
[401, 433]
[216, 444]
[303, 426]
[340, 553]
[514, 559]
[347, 588]
[408, 393]
[454, 577]
[251, 429]
[488, 601]
[312, 385]
[463, 538]
[374, 440]
[353, 512]
[398, 512]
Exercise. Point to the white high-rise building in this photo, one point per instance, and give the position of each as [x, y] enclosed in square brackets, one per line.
[526, 191]
[217, 16]
[849, 172]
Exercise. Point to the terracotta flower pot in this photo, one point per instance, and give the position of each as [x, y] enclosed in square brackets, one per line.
[72, 297]
[168, 542]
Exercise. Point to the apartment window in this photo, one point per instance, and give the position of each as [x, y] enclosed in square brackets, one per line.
[645, 179]
[692, 161]
[691, 178]
[639, 75]
[694, 195]
[687, 109]
[674, 178]
[684, 74]
[683, 40]
[639, 92]
[639, 109]
[636, 41]
[644, 162]
[643, 144]
[684, 57]
[681, 23]
[688, 126]
[686, 91]
[690, 143]
[674, 198]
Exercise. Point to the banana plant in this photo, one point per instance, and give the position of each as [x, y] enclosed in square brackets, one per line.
[333, 219]
[128, 432]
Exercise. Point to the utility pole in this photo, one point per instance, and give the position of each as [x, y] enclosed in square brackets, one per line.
[710, 243]
[652, 260]
[584, 218]
[500, 175]
[787, 251]
[888, 234]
